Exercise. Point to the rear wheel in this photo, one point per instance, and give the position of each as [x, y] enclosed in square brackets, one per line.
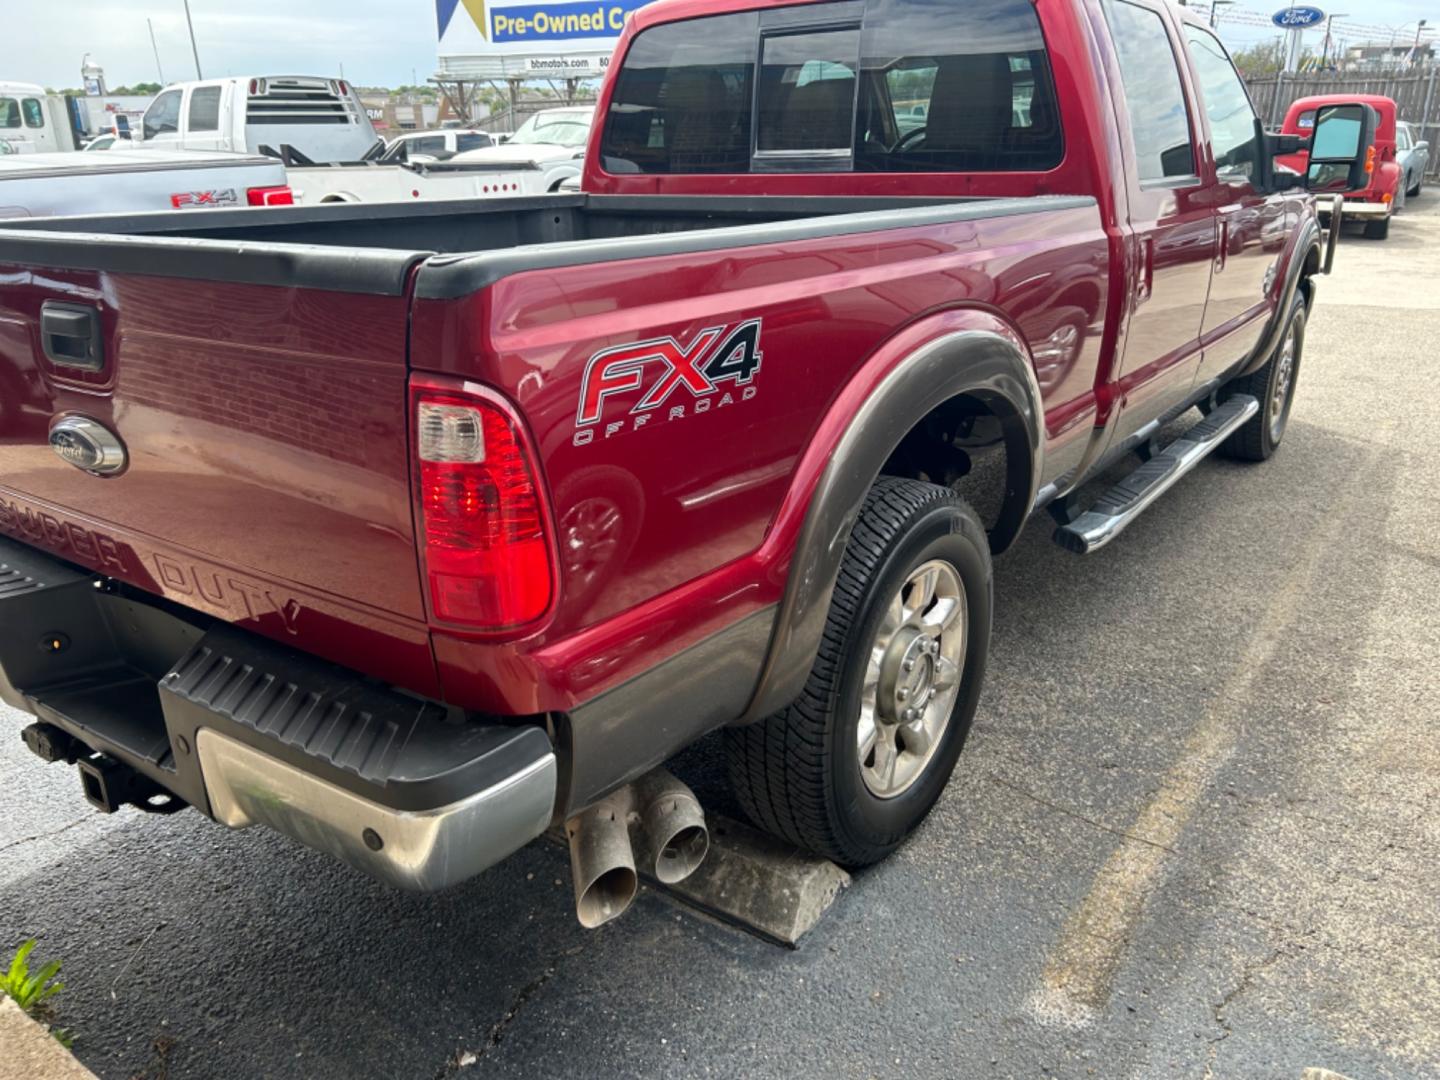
[859, 759]
[1274, 387]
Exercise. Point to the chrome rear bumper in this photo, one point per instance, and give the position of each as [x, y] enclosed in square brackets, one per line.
[421, 850]
[1363, 211]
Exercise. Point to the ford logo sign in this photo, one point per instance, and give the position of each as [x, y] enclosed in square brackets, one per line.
[89, 445]
[1297, 18]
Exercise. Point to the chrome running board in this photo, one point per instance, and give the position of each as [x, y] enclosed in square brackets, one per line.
[1129, 498]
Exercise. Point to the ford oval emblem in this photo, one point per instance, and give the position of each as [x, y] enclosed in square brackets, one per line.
[89, 445]
[1297, 18]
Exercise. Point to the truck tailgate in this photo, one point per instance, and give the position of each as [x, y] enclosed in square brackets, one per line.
[266, 478]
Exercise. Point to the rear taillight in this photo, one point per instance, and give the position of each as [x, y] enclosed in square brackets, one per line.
[483, 520]
[270, 196]
[1370, 159]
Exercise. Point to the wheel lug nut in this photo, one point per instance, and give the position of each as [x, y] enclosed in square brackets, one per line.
[909, 665]
[902, 693]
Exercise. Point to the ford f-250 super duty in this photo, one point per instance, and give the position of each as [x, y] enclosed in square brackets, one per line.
[410, 532]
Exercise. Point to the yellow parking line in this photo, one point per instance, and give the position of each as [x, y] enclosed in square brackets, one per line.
[1080, 968]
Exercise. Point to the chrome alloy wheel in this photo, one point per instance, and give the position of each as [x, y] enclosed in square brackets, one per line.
[1284, 380]
[912, 679]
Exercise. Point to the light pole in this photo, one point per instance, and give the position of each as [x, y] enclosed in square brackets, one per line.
[1415, 49]
[156, 48]
[1215, 6]
[193, 49]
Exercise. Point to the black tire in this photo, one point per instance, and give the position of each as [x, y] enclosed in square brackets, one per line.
[1377, 230]
[797, 774]
[1261, 434]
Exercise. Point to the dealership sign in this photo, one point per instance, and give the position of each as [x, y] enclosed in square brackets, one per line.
[1297, 18]
[573, 37]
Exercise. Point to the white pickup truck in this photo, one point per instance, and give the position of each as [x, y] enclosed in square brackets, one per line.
[321, 118]
[129, 180]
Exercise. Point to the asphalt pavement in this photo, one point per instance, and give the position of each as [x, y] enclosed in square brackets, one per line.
[1195, 832]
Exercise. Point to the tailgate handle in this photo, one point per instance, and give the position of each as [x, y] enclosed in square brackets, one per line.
[70, 335]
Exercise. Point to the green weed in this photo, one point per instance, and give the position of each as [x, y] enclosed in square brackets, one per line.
[33, 992]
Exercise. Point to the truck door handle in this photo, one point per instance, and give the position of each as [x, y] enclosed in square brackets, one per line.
[70, 335]
[1146, 284]
[1223, 238]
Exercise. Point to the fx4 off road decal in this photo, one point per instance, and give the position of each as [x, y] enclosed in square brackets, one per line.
[720, 360]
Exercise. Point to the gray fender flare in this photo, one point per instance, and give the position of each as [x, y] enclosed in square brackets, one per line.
[1307, 241]
[990, 364]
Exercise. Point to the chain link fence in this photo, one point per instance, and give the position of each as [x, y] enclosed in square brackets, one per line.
[1416, 94]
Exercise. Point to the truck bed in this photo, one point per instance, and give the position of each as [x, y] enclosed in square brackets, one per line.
[380, 243]
[259, 367]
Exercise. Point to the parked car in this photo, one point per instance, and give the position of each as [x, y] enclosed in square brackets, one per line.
[553, 139]
[411, 531]
[127, 180]
[416, 146]
[1382, 195]
[321, 118]
[1413, 154]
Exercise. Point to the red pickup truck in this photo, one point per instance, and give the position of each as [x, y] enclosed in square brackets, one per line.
[1382, 193]
[412, 531]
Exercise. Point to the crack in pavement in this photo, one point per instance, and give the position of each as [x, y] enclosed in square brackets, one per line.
[1246, 980]
[464, 1059]
[1078, 816]
[46, 835]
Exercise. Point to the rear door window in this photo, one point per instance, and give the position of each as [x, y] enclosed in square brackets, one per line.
[1154, 96]
[205, 108]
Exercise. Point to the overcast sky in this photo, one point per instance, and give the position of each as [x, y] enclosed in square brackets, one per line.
[379, 42]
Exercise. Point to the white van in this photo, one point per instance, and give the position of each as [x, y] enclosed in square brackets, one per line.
[320, 118]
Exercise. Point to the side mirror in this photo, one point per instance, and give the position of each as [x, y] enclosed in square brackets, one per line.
[1342, 148]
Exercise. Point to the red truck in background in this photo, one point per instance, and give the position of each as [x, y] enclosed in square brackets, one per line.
[1382, 195]
[410, 531]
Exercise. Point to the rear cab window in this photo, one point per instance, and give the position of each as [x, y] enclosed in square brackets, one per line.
[872, 86]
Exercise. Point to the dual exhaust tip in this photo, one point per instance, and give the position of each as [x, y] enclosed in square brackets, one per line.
[657, 818]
